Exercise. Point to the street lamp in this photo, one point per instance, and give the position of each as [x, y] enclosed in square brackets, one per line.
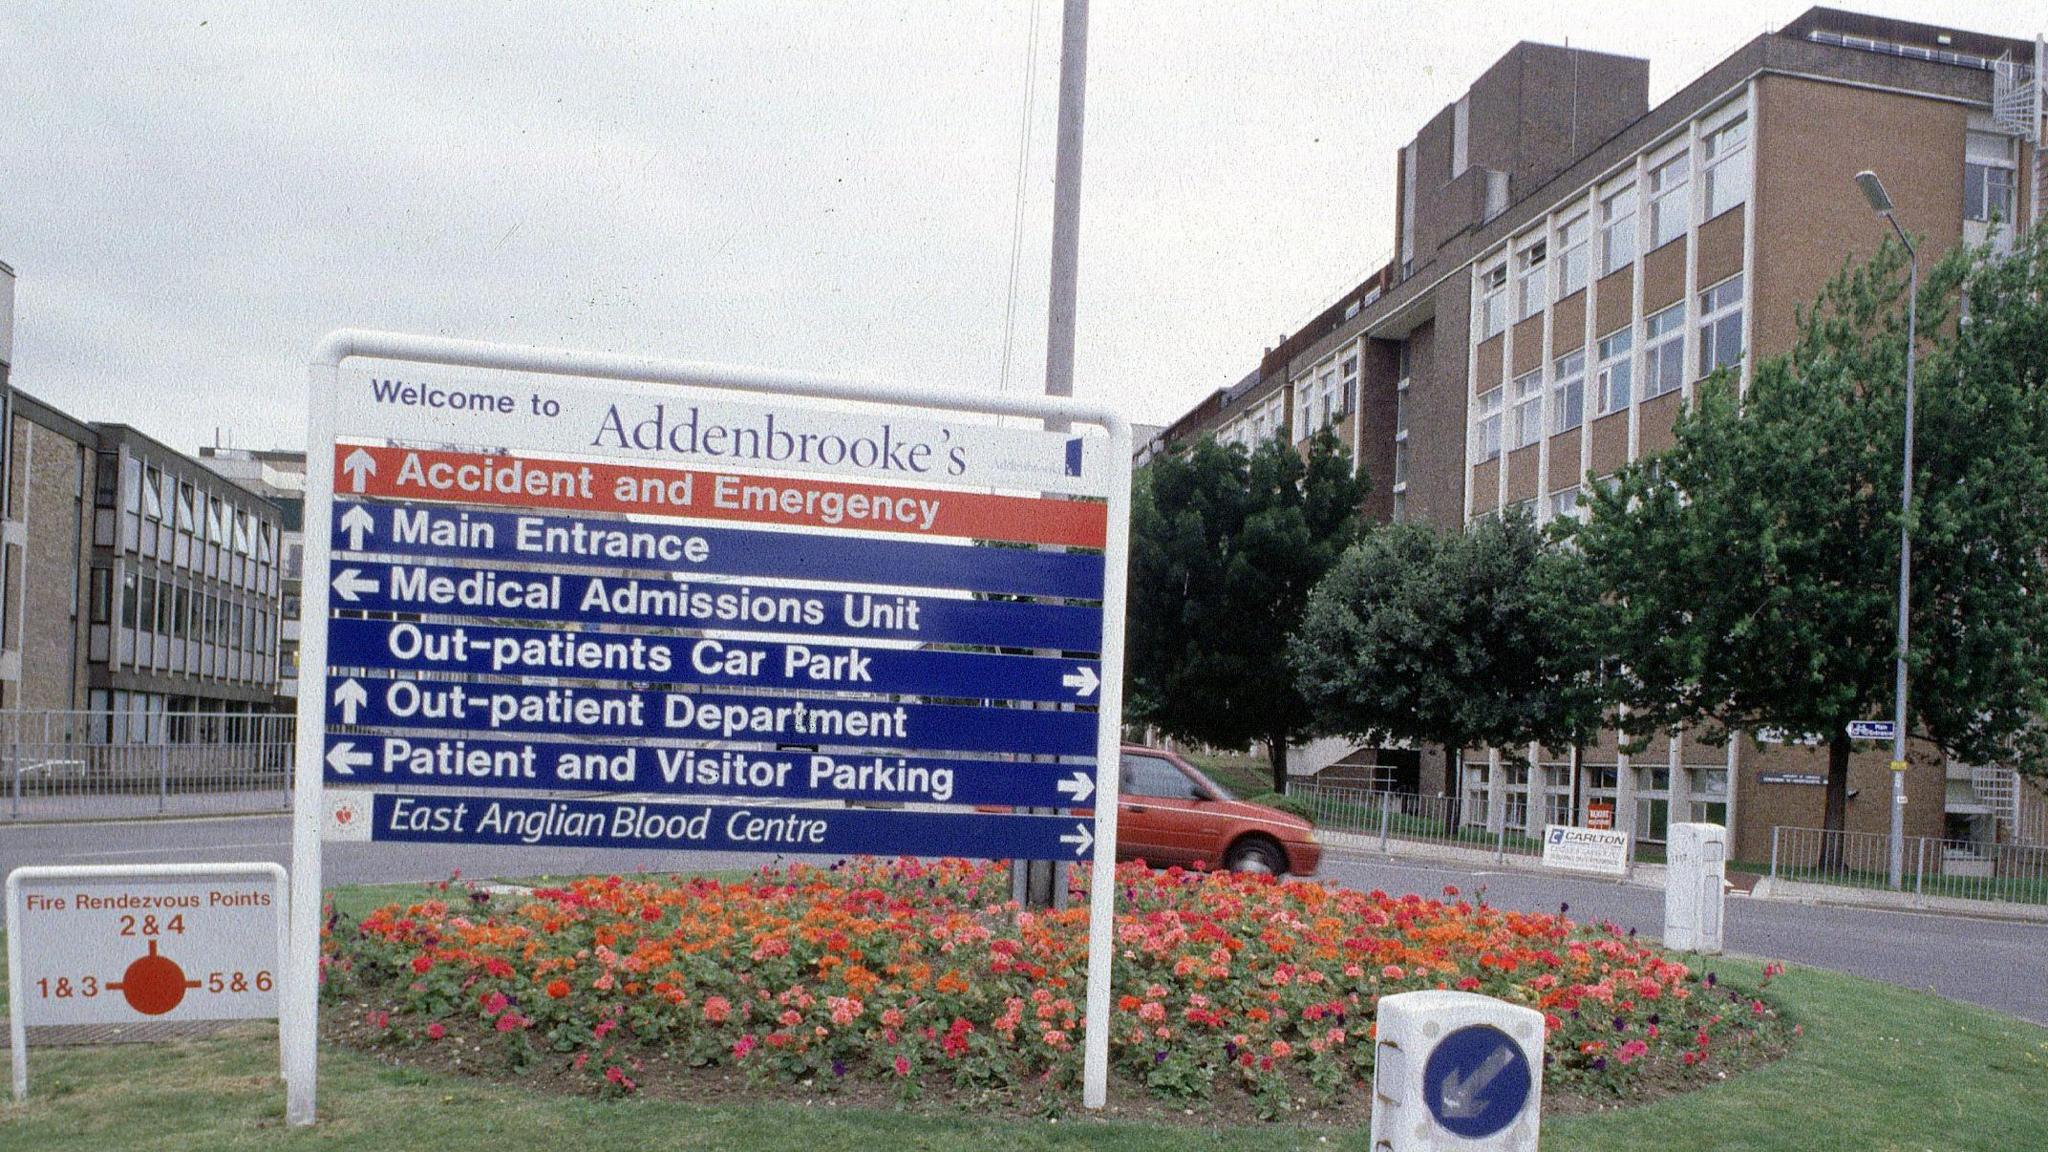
[1873, 191]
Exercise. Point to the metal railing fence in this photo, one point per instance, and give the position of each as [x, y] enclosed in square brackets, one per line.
[1403, 817]
[1962, 869]
[57, 765]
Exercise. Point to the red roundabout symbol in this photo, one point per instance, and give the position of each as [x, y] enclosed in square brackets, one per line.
[153, 984]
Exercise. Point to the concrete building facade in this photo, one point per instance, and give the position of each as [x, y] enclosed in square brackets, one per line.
[1569, 262]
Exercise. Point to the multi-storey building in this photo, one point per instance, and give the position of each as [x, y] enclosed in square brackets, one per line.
[185, 584]
[279, 475]
[1570, 262]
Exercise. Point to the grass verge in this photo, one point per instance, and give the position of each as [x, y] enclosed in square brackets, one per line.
[1879, 1068]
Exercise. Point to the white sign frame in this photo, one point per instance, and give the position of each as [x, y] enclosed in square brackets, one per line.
[17, 984]
[299, 1025]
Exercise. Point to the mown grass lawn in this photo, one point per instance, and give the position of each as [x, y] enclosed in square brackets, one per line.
[1879, 1068]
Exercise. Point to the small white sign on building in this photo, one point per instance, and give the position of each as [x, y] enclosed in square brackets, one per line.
[1585, 849]
[130, 944]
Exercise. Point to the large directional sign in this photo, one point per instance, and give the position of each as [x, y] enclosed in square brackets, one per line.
[576, 600]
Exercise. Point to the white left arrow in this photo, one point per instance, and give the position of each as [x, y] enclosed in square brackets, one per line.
[1080, 838]
[1077, 787]
[1083, 680]
[350, 696]
[344, 758]
[358, 522]
[359, 465]
[350, 581]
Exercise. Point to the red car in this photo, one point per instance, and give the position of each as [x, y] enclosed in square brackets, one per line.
[1169, 813]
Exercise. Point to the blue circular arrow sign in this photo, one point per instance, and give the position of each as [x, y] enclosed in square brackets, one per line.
[1476, 1081]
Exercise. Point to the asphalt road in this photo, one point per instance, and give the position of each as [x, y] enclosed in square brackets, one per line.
[2000, 965]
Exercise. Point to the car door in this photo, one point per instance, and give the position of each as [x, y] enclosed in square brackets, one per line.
[1158, 817]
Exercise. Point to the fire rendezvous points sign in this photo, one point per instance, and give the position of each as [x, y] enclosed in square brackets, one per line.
[574, 600]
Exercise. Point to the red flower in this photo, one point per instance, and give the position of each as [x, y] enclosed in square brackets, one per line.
[557, 989]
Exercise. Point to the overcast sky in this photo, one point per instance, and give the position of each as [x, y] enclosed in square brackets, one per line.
[192, 194]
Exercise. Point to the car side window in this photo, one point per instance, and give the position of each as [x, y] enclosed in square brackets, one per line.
[1151, 776]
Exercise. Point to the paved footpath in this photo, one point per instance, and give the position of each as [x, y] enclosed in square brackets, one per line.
[2000, 965]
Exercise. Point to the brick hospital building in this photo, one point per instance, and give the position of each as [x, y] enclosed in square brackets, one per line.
[1567, 263]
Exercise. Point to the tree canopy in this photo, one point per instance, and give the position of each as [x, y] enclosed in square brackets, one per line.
[1458, 639]
[1225, 547]
[1749, 574]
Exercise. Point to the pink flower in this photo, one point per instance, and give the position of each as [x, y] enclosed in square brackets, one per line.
[902, 1066]
[436, 1030]
[717, 1009]
[742, 1046]
[494, 1003]
[1631, 1051]
[1282, 1050]
[511, 1022]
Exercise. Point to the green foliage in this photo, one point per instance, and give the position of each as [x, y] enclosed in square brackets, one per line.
[1225, 547]
[1292, 805]
[1458, 639]
[1749, 574]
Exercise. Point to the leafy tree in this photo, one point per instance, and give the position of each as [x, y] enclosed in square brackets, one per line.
[1457, 639]
[1750, 573]
[1225, 547]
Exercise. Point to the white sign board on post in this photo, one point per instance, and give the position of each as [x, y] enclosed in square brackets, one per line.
[1576, 849]
[569, 599]
[137, 943]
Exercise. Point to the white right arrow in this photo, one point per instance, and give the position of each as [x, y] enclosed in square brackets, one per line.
[344, 758]
[1080, 838]
[350, 696]
[358, 522]
[358, 465]
[1077, 787]
[350, 581]
[1083, 680]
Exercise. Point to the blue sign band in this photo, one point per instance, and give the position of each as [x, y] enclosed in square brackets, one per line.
[835, 723]
[668, 548]
[447, 590]
[443, 818]
[695, 770]
[641, 659]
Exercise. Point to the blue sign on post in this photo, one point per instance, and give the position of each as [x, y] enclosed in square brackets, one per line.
[1872, 730]
[1476, 1081]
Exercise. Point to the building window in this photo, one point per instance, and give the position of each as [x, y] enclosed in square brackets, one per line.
[1528, 422]
[1486, 443]
[1476, 792]
[147, 623]
[1514, 799]
[1709, 795]
[106, 479]
[1348, 396]
[1571, 255]
[1557, 794]
[1653, 803]
[1988, 183]
[1616, 373]
[188, 519]
[1725, 153]
[1721, 325]
[1493, 300]
[1568, 394]
[1664, 351]
[152, 498]
[1529, 265]
[1564, 503]
[100, 595]
[1670, 207]
[1618, 230]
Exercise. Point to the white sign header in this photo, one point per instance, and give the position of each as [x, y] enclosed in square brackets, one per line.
[1585, 849]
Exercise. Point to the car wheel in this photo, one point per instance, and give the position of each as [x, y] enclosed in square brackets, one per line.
[1255, 855]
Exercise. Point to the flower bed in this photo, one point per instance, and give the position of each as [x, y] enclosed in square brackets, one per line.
[921, 976]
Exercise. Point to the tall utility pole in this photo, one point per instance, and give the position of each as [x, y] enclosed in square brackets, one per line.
[1043, 883]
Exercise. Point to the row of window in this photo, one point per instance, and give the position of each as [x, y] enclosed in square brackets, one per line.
[1724, 158]
[165, 607]
[159, 497]
[1325, 396]
[1706, 795]
[1513, 417]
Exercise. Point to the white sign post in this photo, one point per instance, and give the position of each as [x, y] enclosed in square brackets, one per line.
[530, 532]
[127, 944]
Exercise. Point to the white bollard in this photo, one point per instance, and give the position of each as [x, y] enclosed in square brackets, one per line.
[1456, 1070]
[1695, 888]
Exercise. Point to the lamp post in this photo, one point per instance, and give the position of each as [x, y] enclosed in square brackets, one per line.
[1881, 203]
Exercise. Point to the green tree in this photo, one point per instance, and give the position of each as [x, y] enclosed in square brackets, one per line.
[1456, 639]
[1225, 547]
[1749, 574]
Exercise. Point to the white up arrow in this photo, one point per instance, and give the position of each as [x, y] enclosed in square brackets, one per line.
[1080, 838]
[344, 758]
[350, 581]
[359, 465]
[358, 522]
[350, 696]
[1078, 787]
[1083, 680]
